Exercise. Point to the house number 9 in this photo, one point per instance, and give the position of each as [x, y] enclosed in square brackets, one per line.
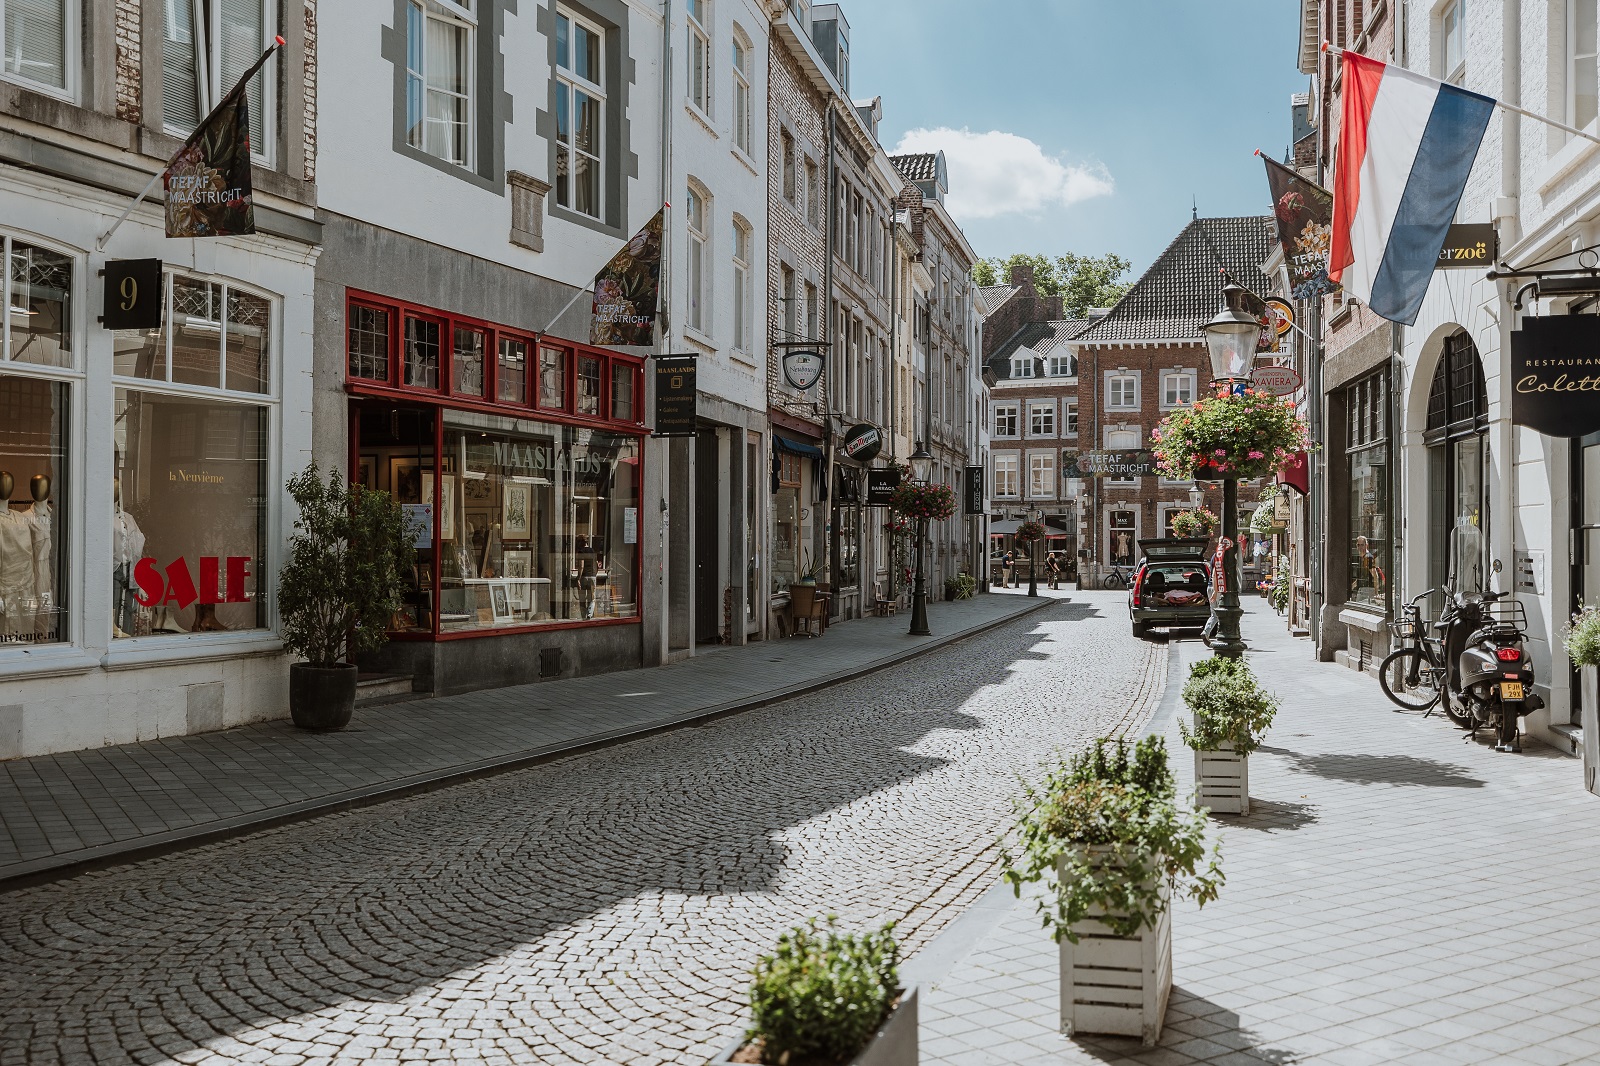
[130, 293]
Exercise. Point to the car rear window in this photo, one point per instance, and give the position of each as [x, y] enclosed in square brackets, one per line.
[1174, 576]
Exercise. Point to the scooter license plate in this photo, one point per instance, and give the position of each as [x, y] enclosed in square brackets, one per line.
[1511, 690]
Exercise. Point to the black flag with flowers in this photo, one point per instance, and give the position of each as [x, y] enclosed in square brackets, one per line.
[208, 181]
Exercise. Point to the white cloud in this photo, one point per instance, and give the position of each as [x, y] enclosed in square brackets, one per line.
[997, 173]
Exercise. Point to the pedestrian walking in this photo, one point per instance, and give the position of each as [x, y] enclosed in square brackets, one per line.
[1008, 570]
[1053, 563]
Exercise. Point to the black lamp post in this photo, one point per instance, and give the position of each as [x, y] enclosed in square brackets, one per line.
[1034, 515]
[1231, 338]
[921, 466]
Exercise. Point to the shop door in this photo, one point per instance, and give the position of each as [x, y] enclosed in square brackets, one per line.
[1122, 536]
[708, 584]
[1585, 537]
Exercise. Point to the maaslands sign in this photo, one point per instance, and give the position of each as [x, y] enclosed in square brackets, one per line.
[1555, 374]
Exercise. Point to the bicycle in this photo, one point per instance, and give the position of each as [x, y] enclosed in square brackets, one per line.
[1415, 675]
[1117, 578]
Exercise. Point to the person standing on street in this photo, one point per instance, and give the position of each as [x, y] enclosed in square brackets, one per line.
[1008, 570]
[1053, 564]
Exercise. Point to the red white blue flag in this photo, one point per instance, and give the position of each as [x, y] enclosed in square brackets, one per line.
[1406, 147]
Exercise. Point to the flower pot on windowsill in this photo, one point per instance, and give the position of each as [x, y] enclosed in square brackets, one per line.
[894, 1044]
[1117, 985]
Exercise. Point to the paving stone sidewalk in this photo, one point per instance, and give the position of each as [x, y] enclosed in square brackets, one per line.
[59, 811]
[1395, 895]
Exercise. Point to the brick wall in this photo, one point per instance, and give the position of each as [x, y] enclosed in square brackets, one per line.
[309, 127]
[129, 59]
[1025, 306]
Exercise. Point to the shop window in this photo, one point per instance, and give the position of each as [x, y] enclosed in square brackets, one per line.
[537, 523]
[33, 525]
[1367, 452]
[624, 379]
[467, 371]
[38, 305]
[423, 339]
[787, 533]
[189, 534]
[589, 386]
[396, 455]
[848, 557]
[552, 378]
[207, 45]
[368, 343]
[512, 373]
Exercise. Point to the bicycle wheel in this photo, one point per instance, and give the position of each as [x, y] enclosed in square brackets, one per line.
[1114, 580]
[1407, 679]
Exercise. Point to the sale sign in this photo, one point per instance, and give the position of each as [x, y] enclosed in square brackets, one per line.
[175, 585]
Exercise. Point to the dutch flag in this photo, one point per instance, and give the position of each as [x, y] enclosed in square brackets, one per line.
[1406, 147]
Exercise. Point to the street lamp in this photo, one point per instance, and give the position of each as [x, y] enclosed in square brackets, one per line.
[1035, 515]
[921, 468]
[1231, 338]
[1197, 496]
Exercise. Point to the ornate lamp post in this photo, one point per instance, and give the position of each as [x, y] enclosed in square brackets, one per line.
[921, 466]
[1034, 515]
[1231, 338]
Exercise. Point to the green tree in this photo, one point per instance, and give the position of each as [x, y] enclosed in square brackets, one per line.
[1082, 281]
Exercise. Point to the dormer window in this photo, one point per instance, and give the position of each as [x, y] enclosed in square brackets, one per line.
[1060, 366]
[1022, 366]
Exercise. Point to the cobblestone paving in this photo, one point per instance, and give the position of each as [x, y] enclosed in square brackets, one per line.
[604, 908]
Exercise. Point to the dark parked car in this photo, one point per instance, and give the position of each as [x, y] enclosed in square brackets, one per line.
[1172, 585]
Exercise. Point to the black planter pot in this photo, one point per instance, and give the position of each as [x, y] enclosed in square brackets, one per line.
[322, 697]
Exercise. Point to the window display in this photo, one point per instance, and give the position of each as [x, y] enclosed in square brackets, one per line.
[33, 429]
[190, 516]
[1368, 447]
[38, 305]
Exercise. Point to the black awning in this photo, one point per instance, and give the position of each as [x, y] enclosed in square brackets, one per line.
[796, 448]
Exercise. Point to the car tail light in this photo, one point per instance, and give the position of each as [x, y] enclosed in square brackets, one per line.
[1509, 655]
[1138, 585]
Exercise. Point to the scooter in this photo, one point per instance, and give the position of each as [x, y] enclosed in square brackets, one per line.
[1490, 678]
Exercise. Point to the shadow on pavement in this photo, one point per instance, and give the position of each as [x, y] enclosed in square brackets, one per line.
[1380, 769]
[1196, 1030]
[1269, 816]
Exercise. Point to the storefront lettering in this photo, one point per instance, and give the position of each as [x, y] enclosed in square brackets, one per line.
[175, 585]
[202, 478]
[535, 459]
[1531, 383]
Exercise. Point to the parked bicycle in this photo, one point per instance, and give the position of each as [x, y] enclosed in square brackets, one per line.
[1413, 676]
[1118, 578]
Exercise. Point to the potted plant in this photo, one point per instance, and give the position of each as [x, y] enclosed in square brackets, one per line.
[1194, 523]
[1105, 837]
[960, 587]
[1246, 435]
[1030, 531]
[1583, 649]
[338, 590]
[1231, 717]
[827, 998]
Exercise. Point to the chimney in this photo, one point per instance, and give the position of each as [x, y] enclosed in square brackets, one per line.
[1022, 274]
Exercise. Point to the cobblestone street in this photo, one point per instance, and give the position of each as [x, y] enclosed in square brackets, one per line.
[603, 908]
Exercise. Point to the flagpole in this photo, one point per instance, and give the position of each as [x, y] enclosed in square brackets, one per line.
[105, 238]
[1501, 104]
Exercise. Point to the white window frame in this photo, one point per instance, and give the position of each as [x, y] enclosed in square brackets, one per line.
[1059, 366]
[1169, 379]
[1115, 385]
[1022, 366]
[699, 52]
[743, 242]
[568, 81]
[1041, 418]
[1007, 472]
[1123, 431]
[8, 240]
[742, 96]
[274, 355]
[1069, 418]
[209, 90]
[813, 212]
[700, 264]
[1042, 475]
[1577, 54]
[1452, 20]
[71, 56]
[1012, 412]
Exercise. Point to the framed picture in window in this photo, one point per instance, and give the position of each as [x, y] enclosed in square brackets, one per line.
[447, 503]
[500, 601]
[406, 477]
[519, 571]
[516, 501]
[367, 471]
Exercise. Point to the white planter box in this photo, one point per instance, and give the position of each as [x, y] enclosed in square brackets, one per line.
[1117, 985]
[895, 1043]
[1222, 778]
[1589, 720]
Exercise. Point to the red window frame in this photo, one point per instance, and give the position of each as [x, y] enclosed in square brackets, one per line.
[527, 405]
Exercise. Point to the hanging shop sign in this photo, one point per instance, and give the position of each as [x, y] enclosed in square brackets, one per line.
[974, 495]
[881, 485]
[1278, 380]
[675, 396]
[1555, 374]
[1469, 245]
[862, 443]
[1282, 312]
[802, 367]
[133, 296]
[1116, 464]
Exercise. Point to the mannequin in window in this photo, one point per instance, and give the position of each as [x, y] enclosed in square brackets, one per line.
[41, 514]
[127, 548]
[18, 592]
[586, 575]
[1123, 543]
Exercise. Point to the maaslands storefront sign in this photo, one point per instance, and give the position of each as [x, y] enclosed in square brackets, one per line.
[1555, 374]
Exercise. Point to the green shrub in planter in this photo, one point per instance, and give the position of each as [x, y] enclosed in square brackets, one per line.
[1103, 834]
[1229, 706]
[1583, 638]
[960, 587]
[820, 996]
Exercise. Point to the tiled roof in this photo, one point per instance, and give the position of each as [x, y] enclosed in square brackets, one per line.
[1182, 290]
[995, 295]
[921, 166]
[1038, 337]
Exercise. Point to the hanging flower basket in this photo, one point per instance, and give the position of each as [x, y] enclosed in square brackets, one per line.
[1200, 522]
[933, 502]
[1244, 436]
[1030, 531]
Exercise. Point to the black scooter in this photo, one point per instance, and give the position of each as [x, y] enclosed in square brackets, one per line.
[1490, 678]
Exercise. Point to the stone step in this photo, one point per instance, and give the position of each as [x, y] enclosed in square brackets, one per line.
[1569, 735]
[373, 689]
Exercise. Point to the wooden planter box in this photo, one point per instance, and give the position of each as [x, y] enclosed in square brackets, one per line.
[894, 1044]
[1117, 985]
[1223, 780]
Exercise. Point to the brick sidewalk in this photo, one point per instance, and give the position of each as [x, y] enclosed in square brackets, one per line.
[62, 811]
[1396, 895]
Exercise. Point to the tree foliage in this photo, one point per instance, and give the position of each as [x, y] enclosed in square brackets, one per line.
[1082, 281]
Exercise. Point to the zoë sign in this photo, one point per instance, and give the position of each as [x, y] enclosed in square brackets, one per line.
[1555, 374]
[862, 443]
[1278, 380]
[1470, 245]
[802, 367]
[175, 585]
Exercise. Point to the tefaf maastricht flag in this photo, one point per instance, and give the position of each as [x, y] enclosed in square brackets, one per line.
[1406, 147]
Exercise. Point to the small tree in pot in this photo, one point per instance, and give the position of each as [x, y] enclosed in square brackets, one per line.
[340, 587]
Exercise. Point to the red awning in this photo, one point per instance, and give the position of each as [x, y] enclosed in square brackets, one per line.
[1296, 473]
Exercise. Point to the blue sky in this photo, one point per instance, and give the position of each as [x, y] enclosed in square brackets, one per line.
[1083, 125]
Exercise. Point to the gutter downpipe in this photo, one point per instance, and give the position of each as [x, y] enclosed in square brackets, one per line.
[894, 362]
[835, 358]
[664, 650]
[1510, 192]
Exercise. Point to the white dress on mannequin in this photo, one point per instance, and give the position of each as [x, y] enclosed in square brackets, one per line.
[18, 573]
